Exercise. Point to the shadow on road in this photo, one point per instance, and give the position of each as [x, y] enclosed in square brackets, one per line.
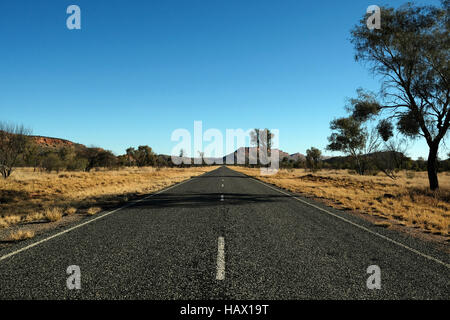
[219, 176]
[206, 200]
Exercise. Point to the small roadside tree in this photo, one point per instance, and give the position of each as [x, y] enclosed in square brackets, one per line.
[13, 141]
[33, 154]
[130, 160]
[255, 138]
[391, 158]
[265, 140]
[353, 139]
[202, 157]
[97, 157]
[52, 162]
[313, 157]
[262, 140]
[181, 156]
[144, 156]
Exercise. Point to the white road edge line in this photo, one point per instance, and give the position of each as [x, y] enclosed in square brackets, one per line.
[220, 275]
[359, 226]
[89, 221]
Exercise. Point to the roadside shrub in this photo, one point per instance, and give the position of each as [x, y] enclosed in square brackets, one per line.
[20, 235]
[71, 210]
[77, 164]
[93, 210]
[52, 162]
[53, 214]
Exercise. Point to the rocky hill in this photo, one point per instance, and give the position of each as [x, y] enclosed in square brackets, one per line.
[53, 142]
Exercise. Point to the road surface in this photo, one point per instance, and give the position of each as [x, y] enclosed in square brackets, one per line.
[224, 235]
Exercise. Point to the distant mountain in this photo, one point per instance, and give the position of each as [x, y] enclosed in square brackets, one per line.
[250, 154]
[297, 156]
[56, 143]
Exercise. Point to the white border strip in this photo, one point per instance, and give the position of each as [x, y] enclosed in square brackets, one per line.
[130, 204]
[358, 226]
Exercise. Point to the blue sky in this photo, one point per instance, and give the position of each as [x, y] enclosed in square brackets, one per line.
[138, 70]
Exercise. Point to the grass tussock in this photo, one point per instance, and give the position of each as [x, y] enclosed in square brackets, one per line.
[35, 216]
[3, 223]
[404, 201]
[93, 210]
[26, 195]
[10, 220]
[53, 214]
[71, 210]
[20, 235]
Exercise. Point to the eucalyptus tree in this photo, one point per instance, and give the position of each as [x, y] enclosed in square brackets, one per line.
[411, 53]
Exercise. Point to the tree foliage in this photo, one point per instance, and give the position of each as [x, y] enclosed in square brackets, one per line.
[411, 52]
[262, 140]
[313, 158]
[352, 138]
[13, 141]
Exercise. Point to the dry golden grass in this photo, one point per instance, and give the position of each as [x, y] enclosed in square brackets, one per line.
[93, 210]
[405, 201]
[3, 223]
[53, 214]
[71, 210]
[28, 196]
[35, 216]
[20, 235]
[11, 219]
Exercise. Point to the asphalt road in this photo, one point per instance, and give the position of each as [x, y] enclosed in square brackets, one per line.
[274, 247]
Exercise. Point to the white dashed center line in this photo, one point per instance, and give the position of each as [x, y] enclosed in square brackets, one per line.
[221, 197]
[220, 275]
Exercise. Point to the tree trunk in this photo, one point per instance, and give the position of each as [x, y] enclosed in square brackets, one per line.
[359, 166]
[5, 171]
[432, 166]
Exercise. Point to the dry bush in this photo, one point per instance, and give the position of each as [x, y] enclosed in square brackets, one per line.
[8, 220]
[20, 235]
[71, 210]
[402, 201]
[53, 214]
[13, 219]
[93, 210]
[36, 216]
[3, 223]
